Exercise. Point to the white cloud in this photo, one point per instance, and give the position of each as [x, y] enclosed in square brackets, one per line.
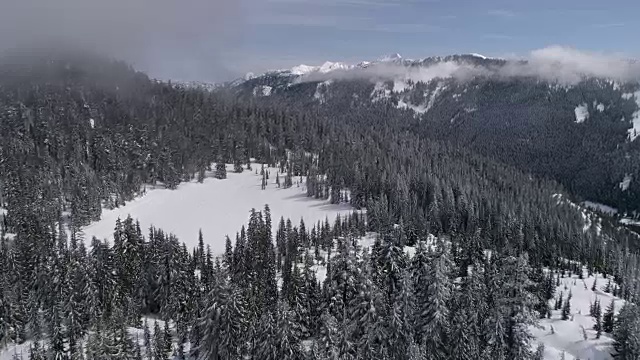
[570, 65]
[555, 63]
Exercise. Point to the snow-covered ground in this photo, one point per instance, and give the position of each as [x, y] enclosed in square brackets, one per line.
[218, 207]
[21, 351]
[568, 335]
[635, 120]
[606, 209]
[582, 113]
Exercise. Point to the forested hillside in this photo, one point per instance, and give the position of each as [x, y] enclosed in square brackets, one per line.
[82, 133]
[580, 133]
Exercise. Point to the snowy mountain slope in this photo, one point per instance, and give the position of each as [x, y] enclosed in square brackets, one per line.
[567, 335]
[218, 207]
[579, 130]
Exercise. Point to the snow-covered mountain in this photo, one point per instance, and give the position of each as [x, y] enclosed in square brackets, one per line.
[574, 123]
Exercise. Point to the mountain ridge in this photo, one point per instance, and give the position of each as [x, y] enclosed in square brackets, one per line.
[579, 129]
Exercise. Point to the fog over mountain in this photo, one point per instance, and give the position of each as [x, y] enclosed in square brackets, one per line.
[555, 63]
[169, 39]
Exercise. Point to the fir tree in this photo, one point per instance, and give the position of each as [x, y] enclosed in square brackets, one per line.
[221, 170]
[159, 347]
[608, 318]
[223, 324]
[433, 304]
[626, 342]
[597, 314]
[566, 308]
[539, 354]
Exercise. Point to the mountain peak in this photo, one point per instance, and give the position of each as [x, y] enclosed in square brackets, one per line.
[478, 56]
[390, 57]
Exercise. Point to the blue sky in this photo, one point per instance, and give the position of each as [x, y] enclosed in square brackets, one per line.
[282, 33]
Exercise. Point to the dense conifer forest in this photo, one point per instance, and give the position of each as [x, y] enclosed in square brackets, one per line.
[523, 121]
[85, 133]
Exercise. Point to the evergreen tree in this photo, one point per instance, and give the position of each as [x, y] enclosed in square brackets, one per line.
[221, 170]
[400, 324]
[223, 324]
[539, 354]
[433, 304]
[608, 318]
[566, 308]
[366, 311]
[159, 346]
[597, 314]
[627, 326]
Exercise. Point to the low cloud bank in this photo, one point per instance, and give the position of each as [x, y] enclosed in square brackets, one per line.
[555, 64]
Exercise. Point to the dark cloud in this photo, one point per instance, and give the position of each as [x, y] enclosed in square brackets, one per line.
[181, 39]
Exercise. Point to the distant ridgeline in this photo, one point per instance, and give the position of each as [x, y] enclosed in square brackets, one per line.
[579, 131]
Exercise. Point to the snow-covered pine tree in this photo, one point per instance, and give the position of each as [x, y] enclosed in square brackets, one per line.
[434, 287]
[168, 339]
[539, 354]
[36, 351]
[400, 319]
[159, 346]
[56, 336]
[340, 284]
[390, 263]
[609, 318]
[467, 316]
[223, 324]
[625, 333]
[519, 302]
[228, 255]
[597, 315]
[237, 166]
[146, 340]
[287, 334]
[221, 169]
[367, 314]
[566, 308]
[328, 334]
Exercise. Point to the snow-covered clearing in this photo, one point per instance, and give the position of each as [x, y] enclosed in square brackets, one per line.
[218, 207]
[628, 221]
[21, 351]
[606, 209]
[582, 113]
[588, 216]
[417, 109]
[624, 184]
[263, 90]
[568, 336]
[635, 120]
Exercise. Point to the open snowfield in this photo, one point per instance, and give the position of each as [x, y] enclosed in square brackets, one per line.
[568, 335]
[218, 207]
